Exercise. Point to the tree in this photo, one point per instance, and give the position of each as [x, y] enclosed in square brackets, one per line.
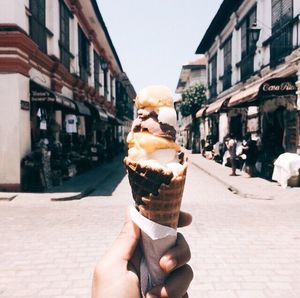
[193, 98]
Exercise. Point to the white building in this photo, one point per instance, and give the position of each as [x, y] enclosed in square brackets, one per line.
[56, 59]
[254, 86]
[191, 74]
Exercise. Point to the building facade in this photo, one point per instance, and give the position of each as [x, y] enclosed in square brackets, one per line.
[253, 56]
[60, 79]
[191, 74]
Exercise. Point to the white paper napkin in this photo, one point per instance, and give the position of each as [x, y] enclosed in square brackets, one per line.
[156, 240]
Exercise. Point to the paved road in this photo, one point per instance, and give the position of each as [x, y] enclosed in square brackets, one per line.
[241, 248]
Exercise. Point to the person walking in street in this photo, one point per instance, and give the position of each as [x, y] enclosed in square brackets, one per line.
[251, 152]
[231, 146]
[118, 273]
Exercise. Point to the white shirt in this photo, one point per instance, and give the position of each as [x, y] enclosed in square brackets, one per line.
[71, 123]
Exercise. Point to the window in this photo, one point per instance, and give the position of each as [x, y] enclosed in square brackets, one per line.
[37, 24]
[84, 55]
[64, 42]
[281, 43]
[247, 45]
[227, 64]
[112, 86]
[213, 75]
[97, 72]
[105, 82]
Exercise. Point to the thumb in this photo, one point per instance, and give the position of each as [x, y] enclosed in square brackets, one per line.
[125, 244]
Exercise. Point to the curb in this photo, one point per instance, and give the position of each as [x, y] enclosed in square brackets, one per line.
[8, 198]
[78, 196]
[70, 198]
[230, 187]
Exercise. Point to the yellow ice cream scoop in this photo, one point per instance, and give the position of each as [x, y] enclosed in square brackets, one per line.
[154, 97]
[149, 142]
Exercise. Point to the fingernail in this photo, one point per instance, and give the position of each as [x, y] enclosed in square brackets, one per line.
[150, 295]
[171, 264]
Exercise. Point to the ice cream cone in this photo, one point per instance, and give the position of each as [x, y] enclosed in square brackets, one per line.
[157, 193]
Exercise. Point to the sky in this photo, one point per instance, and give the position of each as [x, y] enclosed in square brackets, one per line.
[154, 38]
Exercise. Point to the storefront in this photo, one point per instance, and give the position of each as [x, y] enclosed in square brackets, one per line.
[47, 113]
[212, 113]
[62, 132]
[114, 133]
[97, 136]
[278, 119]
[272, 116]
[237, 121]
[279, 115]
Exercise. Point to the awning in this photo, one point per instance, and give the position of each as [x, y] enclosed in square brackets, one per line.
[82, 109]
[114, 119]
[102, 114]
[244, 96]
[185, 126]
[65, 101]
[126, 118]
[201, 112]
[110, 115]
[42, 94]
[119, 121]
[216, 106]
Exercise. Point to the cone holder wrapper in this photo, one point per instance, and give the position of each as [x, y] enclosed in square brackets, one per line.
[156, 239]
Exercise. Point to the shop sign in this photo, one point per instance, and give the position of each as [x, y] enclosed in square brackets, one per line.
[25, 105]
[278, 86]
[42, 96]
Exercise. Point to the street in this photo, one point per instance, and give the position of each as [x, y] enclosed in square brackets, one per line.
[241, 247]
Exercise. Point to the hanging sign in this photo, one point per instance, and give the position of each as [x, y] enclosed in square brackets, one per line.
[24, 105]
[278, 86]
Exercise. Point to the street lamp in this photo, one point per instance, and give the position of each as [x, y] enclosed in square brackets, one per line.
[254, 32]
[104, 64]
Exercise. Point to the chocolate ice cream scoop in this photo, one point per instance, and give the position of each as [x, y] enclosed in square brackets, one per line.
[148, 121]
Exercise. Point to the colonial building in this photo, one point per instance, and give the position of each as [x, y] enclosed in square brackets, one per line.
[191, 74]
[60, 79]
[253, 54]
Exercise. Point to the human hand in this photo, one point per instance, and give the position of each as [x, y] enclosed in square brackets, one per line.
[117, 274]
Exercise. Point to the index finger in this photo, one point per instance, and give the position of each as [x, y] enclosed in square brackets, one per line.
[185, 219]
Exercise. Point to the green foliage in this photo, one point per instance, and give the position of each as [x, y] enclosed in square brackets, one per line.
[193, 98]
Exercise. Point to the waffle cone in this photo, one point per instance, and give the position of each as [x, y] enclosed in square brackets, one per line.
[157, 193]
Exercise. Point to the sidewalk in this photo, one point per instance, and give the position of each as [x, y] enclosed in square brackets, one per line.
[74, 188]
[84, 184]
[253, 188]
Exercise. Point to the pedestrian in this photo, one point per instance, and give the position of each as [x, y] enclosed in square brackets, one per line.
[208, 148]
[231, 146]
[251, 151]
[118, 273]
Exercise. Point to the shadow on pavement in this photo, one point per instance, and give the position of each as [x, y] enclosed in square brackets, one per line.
[110, 183]
[101, 180]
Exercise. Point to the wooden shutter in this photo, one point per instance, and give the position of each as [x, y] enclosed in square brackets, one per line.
[282, 12]
[244, 38]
